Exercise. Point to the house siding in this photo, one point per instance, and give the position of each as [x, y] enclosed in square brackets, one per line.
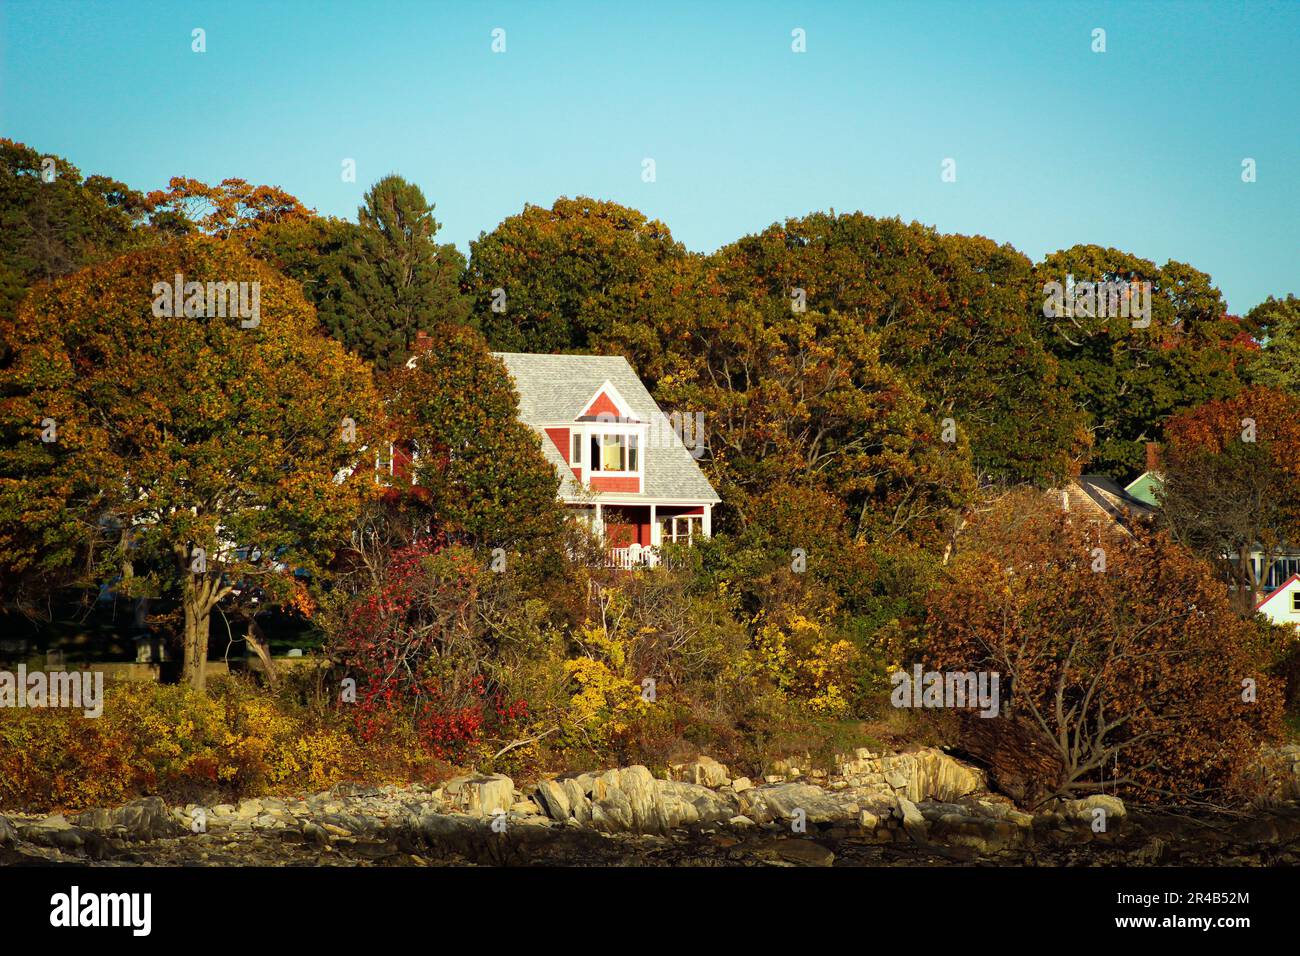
[603, 405]
[560, 436]
[625, 526]
[1277, 607]
[627, 485]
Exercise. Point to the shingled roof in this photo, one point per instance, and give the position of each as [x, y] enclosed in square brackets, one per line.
[555, 389]
[1106, 502]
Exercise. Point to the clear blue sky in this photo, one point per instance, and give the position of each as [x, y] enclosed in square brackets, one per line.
[1139, 147]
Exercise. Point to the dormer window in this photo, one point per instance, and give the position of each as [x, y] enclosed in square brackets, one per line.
[614, 452]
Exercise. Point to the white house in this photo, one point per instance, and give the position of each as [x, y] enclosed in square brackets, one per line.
[1283, 605]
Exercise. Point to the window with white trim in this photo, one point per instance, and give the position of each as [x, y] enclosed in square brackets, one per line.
[678, 529]
[615, 452]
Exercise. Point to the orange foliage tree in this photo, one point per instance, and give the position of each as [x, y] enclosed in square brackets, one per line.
[1122, 670]
[211, 451]
[230, 206]
[1232, 483]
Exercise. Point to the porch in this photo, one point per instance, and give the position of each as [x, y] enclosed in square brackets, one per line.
[633, 533]
[632, 557]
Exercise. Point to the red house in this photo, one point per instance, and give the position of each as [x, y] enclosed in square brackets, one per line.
[625, 468]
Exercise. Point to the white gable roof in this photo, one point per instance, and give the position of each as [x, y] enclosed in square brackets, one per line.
[608, 389]
[554, 389]
[1279, 606]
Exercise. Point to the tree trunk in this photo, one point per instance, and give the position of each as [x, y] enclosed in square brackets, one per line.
[1246, 586]
[198, 611]
[257, 641]
[1019, 763]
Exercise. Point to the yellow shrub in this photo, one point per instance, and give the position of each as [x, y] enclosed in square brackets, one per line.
[154, 738]
[604, 704]
[808, 664]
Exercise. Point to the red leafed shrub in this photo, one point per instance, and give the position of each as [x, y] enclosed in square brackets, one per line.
[415, 646]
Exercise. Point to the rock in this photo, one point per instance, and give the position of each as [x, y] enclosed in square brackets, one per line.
[481, 796]
[639, 786]
[740, 822]
[611, 810]
[675, 805]
[818, 806]
[913, 822]
[1279, 769]
[898, 778]
[741, 784]
[805, 853]
[554, 800]
[56, 831]
[682, 804]
[868, 820]
[350, 789]
[630, 799]
[453, 827]
[8, 835]
[704, 771]
[981, 835]
[144, 819]
[928, 774]
[579, 802]
[1084, 810]
[940, 777]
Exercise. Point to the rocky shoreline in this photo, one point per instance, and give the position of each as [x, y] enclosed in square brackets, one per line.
[921, 808]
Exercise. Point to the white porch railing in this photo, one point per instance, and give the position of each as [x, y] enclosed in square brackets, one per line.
[633, 556]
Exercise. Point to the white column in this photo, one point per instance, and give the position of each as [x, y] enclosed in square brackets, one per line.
[708, 521]
[599, 526]
[654, 527]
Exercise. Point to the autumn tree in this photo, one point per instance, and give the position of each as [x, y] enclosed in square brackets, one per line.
[806, 399]
[1120, 672]
[563, 279]
[206, 443]
[232, 206]
[950, 313]
[1232, 483]
[478, 469]
[1277, 322]
[53, 221]
[1131, 373]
